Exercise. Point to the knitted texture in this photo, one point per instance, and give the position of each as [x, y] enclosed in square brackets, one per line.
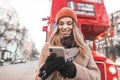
[66, 12]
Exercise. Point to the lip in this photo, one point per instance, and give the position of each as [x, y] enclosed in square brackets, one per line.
[65, 33]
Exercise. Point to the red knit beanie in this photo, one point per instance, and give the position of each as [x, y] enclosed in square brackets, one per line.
[66, 12]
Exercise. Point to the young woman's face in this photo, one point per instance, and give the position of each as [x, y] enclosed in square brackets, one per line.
[65, 26]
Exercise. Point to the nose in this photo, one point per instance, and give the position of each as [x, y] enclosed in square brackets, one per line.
[65, 26]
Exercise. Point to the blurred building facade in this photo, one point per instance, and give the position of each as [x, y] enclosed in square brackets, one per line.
[115, 20]
[115, 23]
[15, 42]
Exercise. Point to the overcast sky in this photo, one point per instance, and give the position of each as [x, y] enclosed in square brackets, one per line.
[112, 5]
[31, 13]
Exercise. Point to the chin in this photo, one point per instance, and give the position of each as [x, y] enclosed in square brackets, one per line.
[66, 35]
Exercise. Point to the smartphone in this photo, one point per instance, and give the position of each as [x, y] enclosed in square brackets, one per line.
[60, 51]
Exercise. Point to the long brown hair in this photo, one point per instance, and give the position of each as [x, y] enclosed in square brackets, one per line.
[78, 37]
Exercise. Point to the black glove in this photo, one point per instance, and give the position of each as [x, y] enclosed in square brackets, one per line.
[52, 64]
[68, 70]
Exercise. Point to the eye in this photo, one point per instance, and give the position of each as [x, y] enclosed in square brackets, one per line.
[69, 23]
[60, 23]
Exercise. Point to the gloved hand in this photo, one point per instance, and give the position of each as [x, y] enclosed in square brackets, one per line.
[52, 64]
[68, 70]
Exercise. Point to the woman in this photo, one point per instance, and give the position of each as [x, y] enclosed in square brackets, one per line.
[79, 64]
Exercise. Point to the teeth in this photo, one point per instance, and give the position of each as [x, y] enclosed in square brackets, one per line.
[65, 30]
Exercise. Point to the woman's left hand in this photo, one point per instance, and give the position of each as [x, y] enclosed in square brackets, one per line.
[68, 70]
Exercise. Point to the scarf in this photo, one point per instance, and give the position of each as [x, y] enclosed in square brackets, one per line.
[71, 49]
[68, 42]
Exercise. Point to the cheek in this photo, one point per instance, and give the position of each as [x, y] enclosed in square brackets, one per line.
[59, 27]
[70, 27]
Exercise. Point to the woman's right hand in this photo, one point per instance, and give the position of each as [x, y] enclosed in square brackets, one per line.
[52, 64]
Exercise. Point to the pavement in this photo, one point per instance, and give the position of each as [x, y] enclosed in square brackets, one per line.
[20, 71]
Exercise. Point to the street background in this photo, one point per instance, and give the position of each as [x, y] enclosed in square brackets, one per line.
[30, 14]
[21, 71]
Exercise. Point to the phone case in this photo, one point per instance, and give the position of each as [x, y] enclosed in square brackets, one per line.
[60, 51]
